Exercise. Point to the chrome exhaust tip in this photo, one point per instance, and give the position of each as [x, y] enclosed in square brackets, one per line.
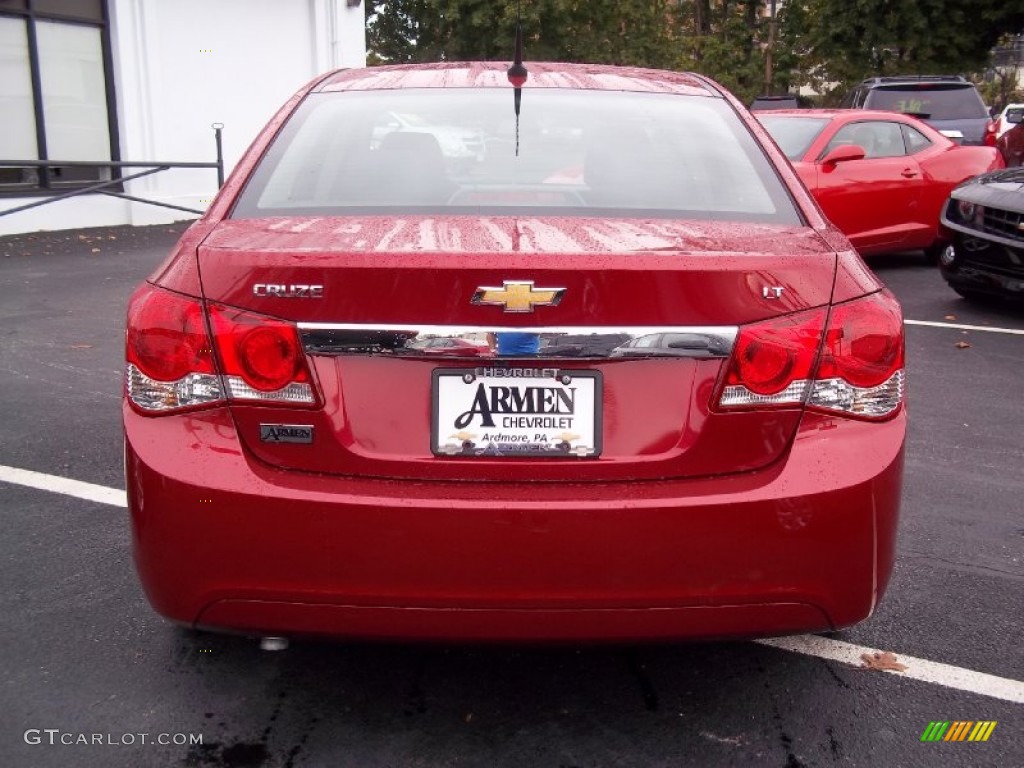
[273, 643]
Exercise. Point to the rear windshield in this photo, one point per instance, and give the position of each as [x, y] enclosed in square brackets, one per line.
[933, 102]
[794, 135]
[457, 150]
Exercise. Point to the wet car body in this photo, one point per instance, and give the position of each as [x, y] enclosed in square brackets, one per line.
[985, 219]
[889, 198]
[298, 466]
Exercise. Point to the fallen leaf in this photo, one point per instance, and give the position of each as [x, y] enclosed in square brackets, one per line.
[469, 717]
[962, 344]
[885, 660]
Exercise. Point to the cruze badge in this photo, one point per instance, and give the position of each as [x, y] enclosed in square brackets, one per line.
[282, 291]
[518, 296]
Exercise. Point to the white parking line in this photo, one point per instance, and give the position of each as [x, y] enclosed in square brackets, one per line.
[926, 671]
[962, 327]
[64, 485]
[916, 669]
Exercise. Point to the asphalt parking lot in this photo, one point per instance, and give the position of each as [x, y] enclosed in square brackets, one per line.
[83, 654]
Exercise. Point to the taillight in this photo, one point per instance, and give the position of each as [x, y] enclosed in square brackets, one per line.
[991, 133]
[772, 361]
[171, 364]
[261, 357]
[864, 343]
[861, 371]
[853, 366]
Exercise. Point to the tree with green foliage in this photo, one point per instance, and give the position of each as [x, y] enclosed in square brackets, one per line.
[728, 39]
[847, 40]
[1003, 83]
[828, 44]
[724, 39]
[392, 29]
[637, 32]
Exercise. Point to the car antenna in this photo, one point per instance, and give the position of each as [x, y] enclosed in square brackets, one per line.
[517, 73]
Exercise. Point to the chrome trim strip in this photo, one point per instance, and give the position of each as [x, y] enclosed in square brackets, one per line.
[984, 234]
[557, 342]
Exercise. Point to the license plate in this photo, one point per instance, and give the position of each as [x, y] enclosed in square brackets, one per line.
[491, 412]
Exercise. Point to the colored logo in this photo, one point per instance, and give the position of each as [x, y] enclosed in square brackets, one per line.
[518, 296]
[958, 730]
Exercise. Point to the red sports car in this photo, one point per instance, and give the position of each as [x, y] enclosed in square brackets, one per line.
[297, 464]
[881, 177]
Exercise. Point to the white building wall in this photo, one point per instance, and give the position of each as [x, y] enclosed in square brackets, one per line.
[181, 65]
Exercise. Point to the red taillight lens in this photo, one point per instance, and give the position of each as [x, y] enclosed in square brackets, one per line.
[170, 363]
[860, 372]
[770, 356]
[270, 358]
[864, 342]
[166, 336]
[991, 133]
[261, 357]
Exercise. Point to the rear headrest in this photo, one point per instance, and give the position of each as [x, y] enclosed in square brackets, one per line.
[409, 169]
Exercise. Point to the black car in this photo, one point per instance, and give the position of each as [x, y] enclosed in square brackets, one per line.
[985, 221]
[949, 103]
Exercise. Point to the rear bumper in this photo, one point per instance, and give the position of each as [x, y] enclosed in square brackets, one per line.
[222, 541]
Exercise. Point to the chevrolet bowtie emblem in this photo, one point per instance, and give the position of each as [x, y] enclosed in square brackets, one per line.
[518, 296]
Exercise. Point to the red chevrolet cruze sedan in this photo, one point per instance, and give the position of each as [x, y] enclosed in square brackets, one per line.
[299, 463]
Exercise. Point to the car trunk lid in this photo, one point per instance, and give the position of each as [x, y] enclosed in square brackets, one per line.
[631, 350]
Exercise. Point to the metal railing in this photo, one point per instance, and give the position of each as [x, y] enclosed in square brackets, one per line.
[103, 187]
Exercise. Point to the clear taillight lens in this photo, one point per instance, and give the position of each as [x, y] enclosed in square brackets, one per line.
[853, 366]
[172, 365]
